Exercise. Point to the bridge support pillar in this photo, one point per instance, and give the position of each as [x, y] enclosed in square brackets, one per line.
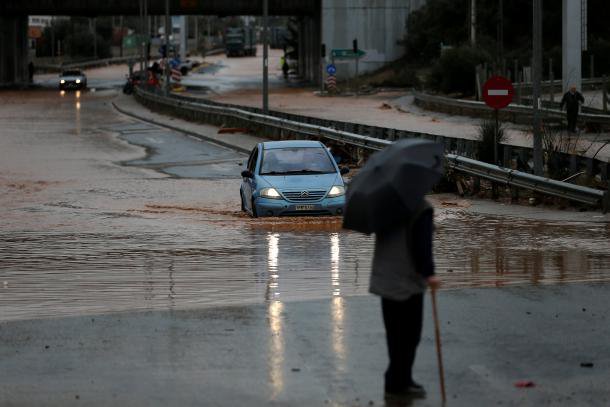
[572, 44]
[13, 50]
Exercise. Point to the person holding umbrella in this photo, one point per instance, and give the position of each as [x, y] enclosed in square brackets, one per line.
[387, 198]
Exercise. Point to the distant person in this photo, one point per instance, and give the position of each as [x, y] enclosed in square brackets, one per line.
[572, 100]
[31, 72]
[402, 269]
[285, 69]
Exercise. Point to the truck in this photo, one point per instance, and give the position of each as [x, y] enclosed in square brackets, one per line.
[240, 41]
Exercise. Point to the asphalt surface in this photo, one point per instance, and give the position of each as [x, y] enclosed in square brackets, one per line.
[326, 352]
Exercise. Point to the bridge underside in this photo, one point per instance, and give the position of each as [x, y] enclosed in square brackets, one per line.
[157, 7]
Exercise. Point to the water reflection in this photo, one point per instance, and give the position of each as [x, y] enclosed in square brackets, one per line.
[334, 264]
[275, 307]
[275, 354]
[273, 286]
[54, 273]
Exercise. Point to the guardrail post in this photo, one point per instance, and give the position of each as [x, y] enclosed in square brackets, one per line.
[589, 162]
[605, 94]
[506, 155]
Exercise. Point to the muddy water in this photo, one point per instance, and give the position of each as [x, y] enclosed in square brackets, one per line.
[232, 259]
[91, 224]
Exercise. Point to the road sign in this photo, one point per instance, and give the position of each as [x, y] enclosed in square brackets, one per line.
[346, 53]
[331, 69]
[498, 92]
[331, 83]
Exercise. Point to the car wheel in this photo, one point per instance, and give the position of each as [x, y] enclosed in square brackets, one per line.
[254, 214]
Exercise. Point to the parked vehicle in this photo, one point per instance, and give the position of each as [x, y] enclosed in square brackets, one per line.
[72, 79]
[240, 41]
[291, 178]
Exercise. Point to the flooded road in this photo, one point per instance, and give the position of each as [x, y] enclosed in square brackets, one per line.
[101, 213]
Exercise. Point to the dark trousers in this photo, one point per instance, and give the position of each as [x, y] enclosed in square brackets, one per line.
[572, 116]
[403, 324]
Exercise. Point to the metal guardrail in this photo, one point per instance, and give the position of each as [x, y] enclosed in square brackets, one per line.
[589, 196]
[494, 173]
[87, 64]
[512, 109]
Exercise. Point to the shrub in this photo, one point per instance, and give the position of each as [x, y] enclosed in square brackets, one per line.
[455, 70]
[485, 149]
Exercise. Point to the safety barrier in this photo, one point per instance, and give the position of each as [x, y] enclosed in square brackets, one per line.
[589, 196]
[514, 113]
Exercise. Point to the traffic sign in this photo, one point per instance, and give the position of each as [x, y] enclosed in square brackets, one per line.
[331, 69]
[346, 53]
[498, 92]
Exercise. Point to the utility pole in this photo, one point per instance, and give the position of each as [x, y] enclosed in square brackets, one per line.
[168, 27]
[266, 56]
[147, 38]
[473, 23]
[536, 78]
[501, 62]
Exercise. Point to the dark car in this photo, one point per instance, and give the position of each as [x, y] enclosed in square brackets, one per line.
[73, 79]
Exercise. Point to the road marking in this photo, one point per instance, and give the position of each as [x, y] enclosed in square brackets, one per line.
[497, 92]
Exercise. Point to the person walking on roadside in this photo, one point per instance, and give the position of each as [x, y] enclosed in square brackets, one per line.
[403, 267]
[572, 100]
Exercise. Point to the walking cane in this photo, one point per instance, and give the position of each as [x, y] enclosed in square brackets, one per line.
[437, 335]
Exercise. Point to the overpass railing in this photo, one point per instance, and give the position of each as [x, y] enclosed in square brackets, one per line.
[220, 114]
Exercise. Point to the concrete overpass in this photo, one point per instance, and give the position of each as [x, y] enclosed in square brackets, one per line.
[377, 24]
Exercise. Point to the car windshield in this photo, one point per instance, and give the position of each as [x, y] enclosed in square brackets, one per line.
[294, 161]
[71, 73]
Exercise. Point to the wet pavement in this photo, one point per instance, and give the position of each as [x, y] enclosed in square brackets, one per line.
[103, 214]
[316, 353]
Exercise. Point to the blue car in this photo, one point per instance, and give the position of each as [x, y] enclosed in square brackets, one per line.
[291, 178]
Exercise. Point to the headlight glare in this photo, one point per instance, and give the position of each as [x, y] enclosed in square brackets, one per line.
[78, 81]
[270, 193]
[62, 81]
[336, 190]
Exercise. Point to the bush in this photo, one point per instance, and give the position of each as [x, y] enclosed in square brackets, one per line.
[485, 150]
[455, 70]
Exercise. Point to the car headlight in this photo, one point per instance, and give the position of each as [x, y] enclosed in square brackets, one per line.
[270, 193]
[62, 81]
[78, 81]
[336, 190]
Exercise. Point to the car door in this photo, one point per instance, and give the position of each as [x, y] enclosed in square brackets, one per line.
[249, 184]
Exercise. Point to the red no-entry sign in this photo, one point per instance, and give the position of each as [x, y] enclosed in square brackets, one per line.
[498, 92]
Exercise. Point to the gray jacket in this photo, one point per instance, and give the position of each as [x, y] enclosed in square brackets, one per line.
[394, 275]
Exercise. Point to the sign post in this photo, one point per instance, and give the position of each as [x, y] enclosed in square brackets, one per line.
[498, 93]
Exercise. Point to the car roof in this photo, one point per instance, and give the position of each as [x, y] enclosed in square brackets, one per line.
[268, 145]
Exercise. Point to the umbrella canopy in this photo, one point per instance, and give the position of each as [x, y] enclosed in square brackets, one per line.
[391, 184]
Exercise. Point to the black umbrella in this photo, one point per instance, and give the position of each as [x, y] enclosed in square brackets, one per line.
[391, 184]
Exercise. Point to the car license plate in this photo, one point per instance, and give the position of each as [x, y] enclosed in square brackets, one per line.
[305, 207]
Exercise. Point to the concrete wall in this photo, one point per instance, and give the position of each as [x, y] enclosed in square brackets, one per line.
[377, 24]
[13, 50]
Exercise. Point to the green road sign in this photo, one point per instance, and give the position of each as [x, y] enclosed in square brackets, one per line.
[346, 53]
[132, 41]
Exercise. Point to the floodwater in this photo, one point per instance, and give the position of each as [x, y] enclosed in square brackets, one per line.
[101, 213]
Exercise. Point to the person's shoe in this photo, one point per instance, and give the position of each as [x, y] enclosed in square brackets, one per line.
[416, 389]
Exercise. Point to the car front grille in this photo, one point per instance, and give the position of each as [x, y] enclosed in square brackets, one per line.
[304, 195]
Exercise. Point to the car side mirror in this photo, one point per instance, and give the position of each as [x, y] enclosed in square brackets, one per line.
[344, 170]
[247, 174]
